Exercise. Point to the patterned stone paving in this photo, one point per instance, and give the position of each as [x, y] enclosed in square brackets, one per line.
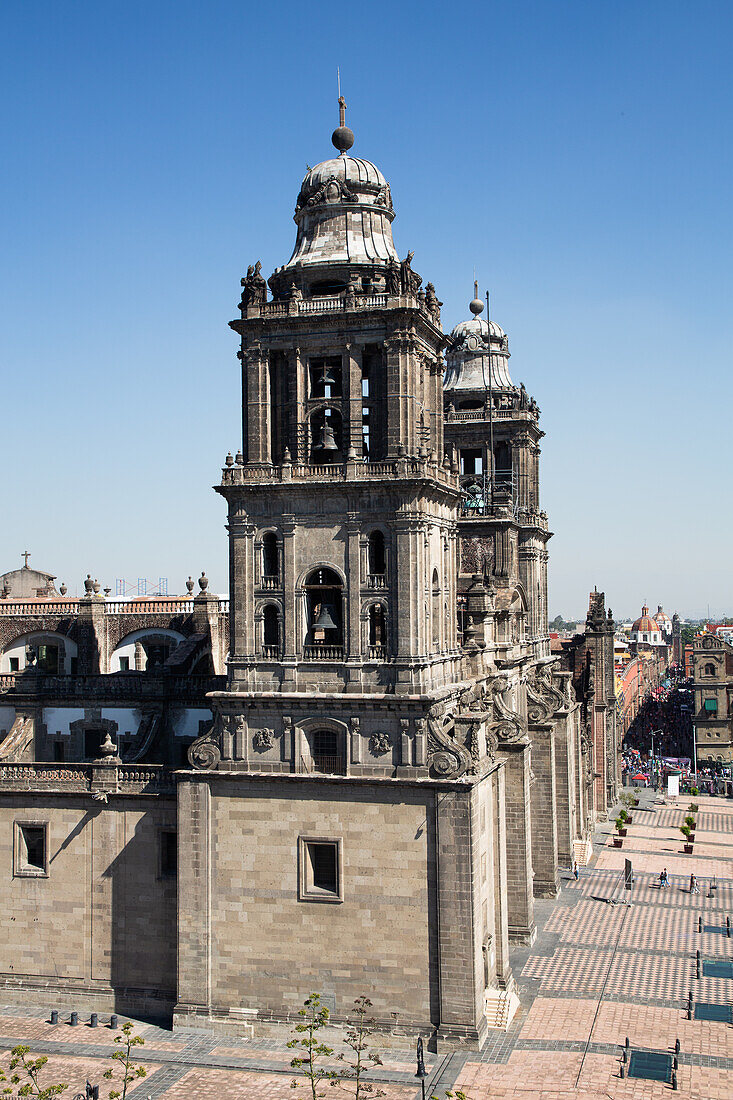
[597, 973]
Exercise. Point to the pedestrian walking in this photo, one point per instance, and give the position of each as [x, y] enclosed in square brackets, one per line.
[694, 888]
[576, 872]
[664, 879]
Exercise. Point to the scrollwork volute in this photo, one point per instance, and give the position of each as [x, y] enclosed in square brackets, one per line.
[543, 698]
[205, 752]
[507, 725]
[447, 758]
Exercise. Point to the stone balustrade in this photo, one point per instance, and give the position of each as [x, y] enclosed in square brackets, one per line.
[110, 777]
[237, 474]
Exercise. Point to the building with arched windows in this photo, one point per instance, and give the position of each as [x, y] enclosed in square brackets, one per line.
[395, 764]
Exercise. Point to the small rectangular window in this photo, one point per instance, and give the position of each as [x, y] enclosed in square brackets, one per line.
[30, 848]
[74, 666]
[92, 741]
[15, 664]
[124, 664]
[320, 869]
[168, 853]
[59, 753]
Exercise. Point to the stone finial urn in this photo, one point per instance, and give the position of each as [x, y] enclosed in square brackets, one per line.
[189, 585]
[88, 585]
[203, 581]
[63, 590]
[96, 586]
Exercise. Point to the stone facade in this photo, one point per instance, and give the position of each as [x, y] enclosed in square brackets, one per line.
[395, 764]
[712, 670]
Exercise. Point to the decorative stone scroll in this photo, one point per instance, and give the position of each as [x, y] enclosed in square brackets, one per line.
[205, 752]
[380, 743]
[507, 726]
[544, 699]
[447, 757]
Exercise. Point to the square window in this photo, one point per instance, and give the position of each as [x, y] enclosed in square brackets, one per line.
[124, 664]
[15, 664]
[59, 753]
[31, 849]
[168, 853]
[320, 869]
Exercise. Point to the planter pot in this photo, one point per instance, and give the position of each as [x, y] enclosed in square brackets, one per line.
[617, 842]
[688, 849]
[692, 828]
[636, 802]
[622, 832]
[629, 821]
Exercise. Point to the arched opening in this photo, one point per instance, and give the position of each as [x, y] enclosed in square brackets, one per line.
[270, 631]
[325, 436]
[327, 751]
[324, 615]
[709, 670]
[48, 658]
[503, 466]
[377, 561]
[270, 558]
[377, 631]
[436, 610]
[144, 651]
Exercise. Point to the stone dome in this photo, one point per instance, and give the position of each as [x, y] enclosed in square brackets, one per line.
[467, 358]
[344, 215]
[356, 174]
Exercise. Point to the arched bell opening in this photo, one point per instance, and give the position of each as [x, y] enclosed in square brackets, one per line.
[377, 631]
[503, 466]
[436, 610]
[270, 557]
[271, 631]
[324, 615]
[376, 555]
[325, 442]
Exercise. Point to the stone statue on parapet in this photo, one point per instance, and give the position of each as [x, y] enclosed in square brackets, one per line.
[254, 290]
[410, 280]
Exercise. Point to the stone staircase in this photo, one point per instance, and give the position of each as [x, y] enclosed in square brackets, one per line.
[500, 1006]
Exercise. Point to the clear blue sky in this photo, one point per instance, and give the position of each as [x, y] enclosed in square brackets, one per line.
[577, 154]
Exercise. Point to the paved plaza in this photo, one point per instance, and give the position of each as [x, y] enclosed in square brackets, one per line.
[599, 972]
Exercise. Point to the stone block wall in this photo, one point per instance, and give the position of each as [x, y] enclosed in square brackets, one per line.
[97, 931]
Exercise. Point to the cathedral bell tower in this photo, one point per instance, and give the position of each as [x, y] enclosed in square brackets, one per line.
[342, 511]
[348, 746]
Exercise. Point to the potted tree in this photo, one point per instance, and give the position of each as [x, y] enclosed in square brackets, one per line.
[621, 832]
[623, 814]
[693, 808]
[686, 831]
[689, 820]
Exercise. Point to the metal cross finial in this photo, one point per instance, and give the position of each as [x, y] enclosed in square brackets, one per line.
[26, 554]
[475, 287]
[342, 111]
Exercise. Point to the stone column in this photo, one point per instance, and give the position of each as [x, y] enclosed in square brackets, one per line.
[544, 824]
[461, 984]
[564, 786]
[258, 406]
[287, 526]
[520, 898]
[501, 925]
[353, 595]
[92, 642]
[351, 360]
[194, 902]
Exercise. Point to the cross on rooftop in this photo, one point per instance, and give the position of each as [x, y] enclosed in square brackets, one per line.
[26, 554]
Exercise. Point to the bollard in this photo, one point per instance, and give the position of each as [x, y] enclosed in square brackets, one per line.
[93, 1020]
[674, 1081]
[676, 1047]
[621, 1070]
[727, 927]
[675, 1063]
[113, 1020]
[74, 1019]
[54, 1017]
[699, 924]
[628, 1044]
[623, 1055]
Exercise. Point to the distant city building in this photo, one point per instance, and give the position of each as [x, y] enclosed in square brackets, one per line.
[646, 630]
[712, 671]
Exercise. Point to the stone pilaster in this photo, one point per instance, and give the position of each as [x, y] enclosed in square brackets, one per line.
[544, 823]
[520, 897]
[194, 902]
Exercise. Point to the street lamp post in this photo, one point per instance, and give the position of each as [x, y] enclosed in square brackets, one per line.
[421, 1071]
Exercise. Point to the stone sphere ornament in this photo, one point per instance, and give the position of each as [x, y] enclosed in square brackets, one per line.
[342, 138]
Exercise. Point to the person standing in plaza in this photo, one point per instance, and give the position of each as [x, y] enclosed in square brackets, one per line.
[694, 888]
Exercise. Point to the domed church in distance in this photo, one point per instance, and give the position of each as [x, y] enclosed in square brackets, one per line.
[397, 763]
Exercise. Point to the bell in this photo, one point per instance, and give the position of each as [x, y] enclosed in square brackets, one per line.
[328, 378]
[327, 441]
[324, 620]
